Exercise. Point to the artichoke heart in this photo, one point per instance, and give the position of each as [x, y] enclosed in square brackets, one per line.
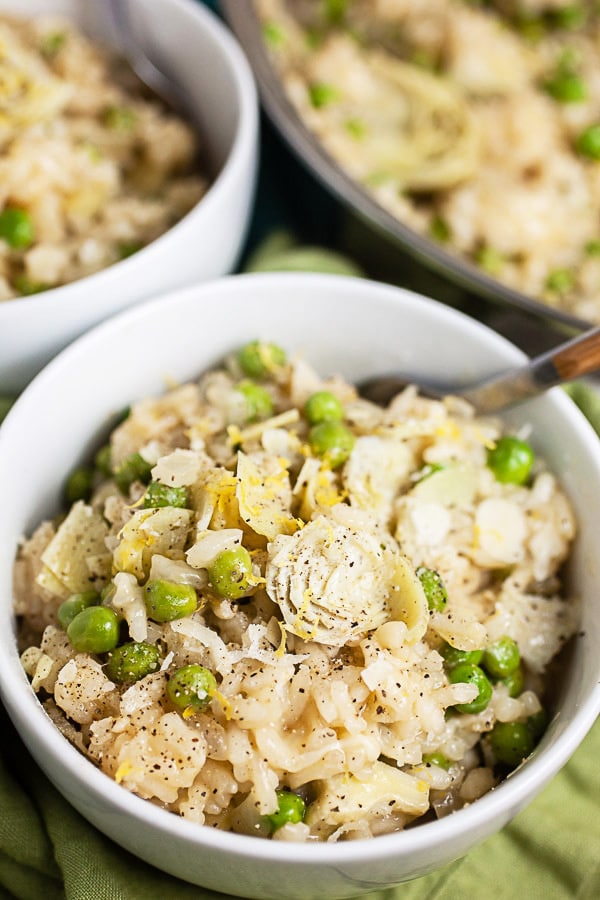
[416, 128]
[345, 799]
[148, 532]
[65, 561]
[264, 495]
[437, 144]
[334, 581]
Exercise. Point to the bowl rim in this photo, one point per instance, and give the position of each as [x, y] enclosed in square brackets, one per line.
[245, 139]
[30, 719]
[306, 146]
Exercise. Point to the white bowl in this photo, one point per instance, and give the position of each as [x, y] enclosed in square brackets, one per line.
[348, 325]
[199, 52]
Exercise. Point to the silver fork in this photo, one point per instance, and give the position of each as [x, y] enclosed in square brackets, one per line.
[572, 359]
[146, 70]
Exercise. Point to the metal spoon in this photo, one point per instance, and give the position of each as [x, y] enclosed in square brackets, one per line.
[145, 69]
[573, 359]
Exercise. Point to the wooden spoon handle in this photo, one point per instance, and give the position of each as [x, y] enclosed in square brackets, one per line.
[578, 357]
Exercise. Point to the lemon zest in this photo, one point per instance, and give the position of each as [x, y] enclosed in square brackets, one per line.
[280, 652]
[234, 435]
[125, 769]
[449, 429]
[298, 627]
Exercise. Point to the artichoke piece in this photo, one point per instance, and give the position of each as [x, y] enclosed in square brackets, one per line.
[65, 560]
[344, 799]
[375, 473]
[453, 485]
[407, 600]
[328, 580]
[416, 129]
[209, 544]
[160, 530]
[264, 495]
[334, 581]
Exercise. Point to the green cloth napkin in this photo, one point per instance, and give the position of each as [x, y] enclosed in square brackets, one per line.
[551, 850]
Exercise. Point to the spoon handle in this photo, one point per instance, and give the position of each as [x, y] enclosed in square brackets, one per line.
[579, 356]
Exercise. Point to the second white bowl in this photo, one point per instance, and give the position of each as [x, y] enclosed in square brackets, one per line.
[201, 55]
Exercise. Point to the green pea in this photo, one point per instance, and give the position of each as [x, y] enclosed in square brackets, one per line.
[73, 605]
[511, 742]
[537, 723]
[119, 118]
[437, 759]
[356, 128]
[128, 248]
[259, 403]
[314, 38]
[5, 405]
[560, 281]
[133, 468]
[52, 42]
[455, 657]
[331, 440]
[530, 26]
[588, 142]
[27, 287]
[490, 260]
[321, 94]
[566, 87]
[132, 661]
[424, 60]
[229, 573]
[259, 360]
[514, 682]
[273, 34]
[433, 586]
[107, 593]
[569, 17]
[191, 686]
[290, 808]
[94, 630]
[501, 658]
[79, 484]
[592, 248]
[471, 674]
[439, 230]
[335, 11]
[323, 406]
[511, 460]
[167, 600]
[16, 228]
[102, 460]
[158, 494]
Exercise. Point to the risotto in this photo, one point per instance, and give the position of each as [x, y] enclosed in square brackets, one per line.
[477, 124]
[91, 168]
[275, 608]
